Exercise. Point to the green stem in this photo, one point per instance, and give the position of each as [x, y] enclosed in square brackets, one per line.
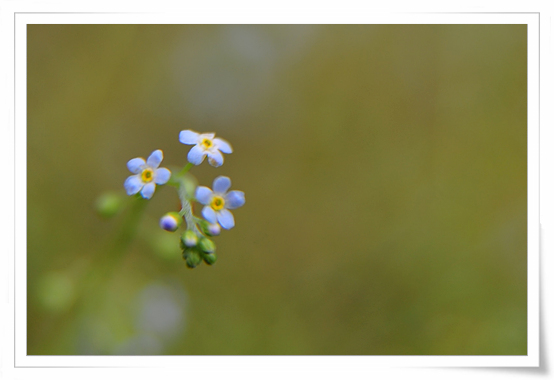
[186, 207]
[107, 261]
[93, 287]
[185, 169]
[129, 227]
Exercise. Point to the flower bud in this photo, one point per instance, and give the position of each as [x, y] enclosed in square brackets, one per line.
[209, 229]
[192, 258]
[189, 238]
[214, 229]
[210, 258]
[170, 221]
[108, 204]
[206, 245]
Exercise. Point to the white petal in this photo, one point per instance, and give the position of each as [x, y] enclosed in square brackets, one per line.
[209, 214]
[225, 218]
[234, 199]
[222, 184]
[161, 176]
[133, 184]
[135, 165]
[203, 195]
[148, 190]
[155, 159]
[196, 155]
[188, 137]
[223, 145]
[206, 136]
[215, 158]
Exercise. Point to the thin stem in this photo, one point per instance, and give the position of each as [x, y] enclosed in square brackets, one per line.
[109, 257]
[185, 169]
[186, 207]
[93, 285]
[129, 227]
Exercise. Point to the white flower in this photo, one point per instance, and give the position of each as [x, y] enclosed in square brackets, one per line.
[218, 202]
[205, 145]
[147, 175]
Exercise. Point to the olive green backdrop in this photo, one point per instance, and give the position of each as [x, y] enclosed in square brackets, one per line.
[384, 168]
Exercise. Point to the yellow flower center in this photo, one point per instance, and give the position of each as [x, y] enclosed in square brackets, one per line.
[217, 203]
[206, 143]
[147, 175]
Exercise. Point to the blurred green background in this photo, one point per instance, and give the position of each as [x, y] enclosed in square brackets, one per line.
[384, 168]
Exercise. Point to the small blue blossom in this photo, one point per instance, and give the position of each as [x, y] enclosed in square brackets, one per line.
[205, 144]
[218, 202]
[147, 175]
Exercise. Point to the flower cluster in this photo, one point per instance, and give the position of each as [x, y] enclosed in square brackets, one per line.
[195, 240]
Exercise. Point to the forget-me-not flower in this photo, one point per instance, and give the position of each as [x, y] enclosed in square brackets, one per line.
[147, 175]
[218, 202]
[205, 144]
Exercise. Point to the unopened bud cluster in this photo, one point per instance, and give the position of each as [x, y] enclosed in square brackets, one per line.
[195, 251]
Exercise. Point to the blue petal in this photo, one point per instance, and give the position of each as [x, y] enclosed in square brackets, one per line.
[234, 199]
[222, 184]
[155, 159]
[215, 158]
[188, 137]
[225, 218]
[209, 214]
[169, 223]
[148, 190]
[203, 195]
[161, 176]
[196, 155]
[223, 145]
[135, 165]
[133, 184]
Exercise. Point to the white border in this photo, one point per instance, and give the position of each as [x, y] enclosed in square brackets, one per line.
[278, 364]
[533, 226]
[277, 17]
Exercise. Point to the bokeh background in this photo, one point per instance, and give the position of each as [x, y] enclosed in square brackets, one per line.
[384, 168]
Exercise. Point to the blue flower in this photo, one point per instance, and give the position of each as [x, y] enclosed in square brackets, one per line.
[205, 145]
[147, 175]
[218, 202]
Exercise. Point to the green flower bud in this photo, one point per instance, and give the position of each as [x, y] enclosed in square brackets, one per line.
[209, 229]
[210, 258]
[204, 226]
[206, 245]
[192, 258]
[108, 204]
[189, 239]
[214, 229]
